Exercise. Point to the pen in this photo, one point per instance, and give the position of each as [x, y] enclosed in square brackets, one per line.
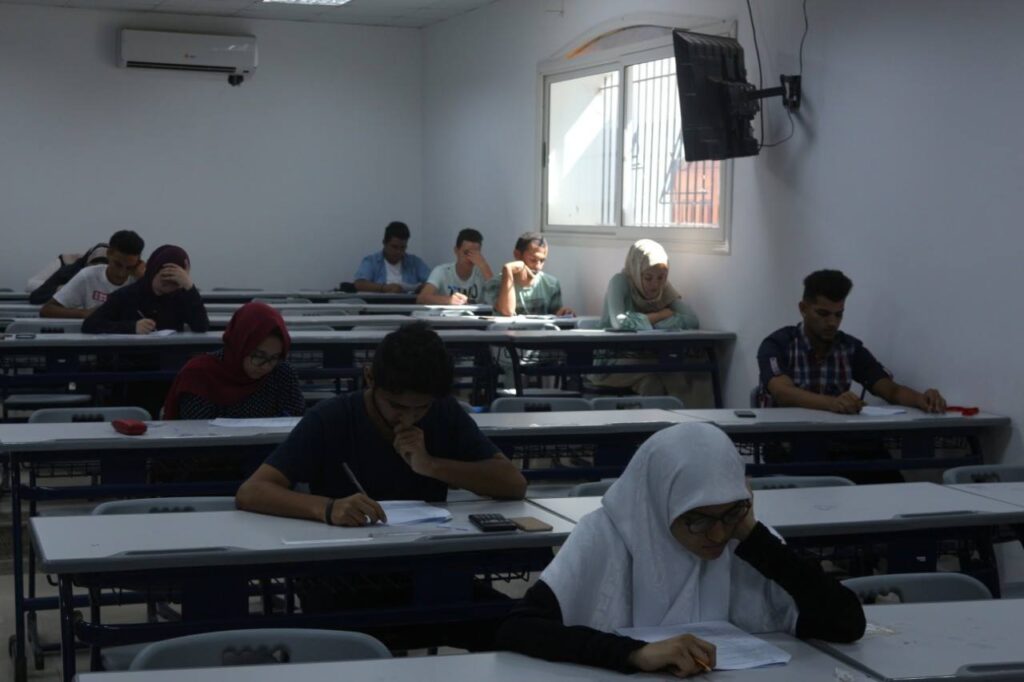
[702, 664]
[352, 477]
[863, 390]
[142, 315]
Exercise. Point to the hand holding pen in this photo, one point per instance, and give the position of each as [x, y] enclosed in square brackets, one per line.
[355, 510]
[144, 325]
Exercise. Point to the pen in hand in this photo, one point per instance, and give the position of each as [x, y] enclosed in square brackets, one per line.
[359, 487]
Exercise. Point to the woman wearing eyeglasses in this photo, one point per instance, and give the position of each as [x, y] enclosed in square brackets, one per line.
[249, 378]
[675, 541]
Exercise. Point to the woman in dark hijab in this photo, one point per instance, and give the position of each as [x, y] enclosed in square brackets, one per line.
[165, 298]
[249, 378]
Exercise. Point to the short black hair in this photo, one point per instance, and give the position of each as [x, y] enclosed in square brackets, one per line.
[528, 238]
[396, 230]
[469, 235]
[127, 242]
[413, 358]
[832, 284]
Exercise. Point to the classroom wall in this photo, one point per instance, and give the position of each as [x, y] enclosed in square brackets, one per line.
[905, 171]
[285, 181]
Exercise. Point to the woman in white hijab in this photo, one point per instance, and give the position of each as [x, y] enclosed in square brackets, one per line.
[640, 298]
[675, 542]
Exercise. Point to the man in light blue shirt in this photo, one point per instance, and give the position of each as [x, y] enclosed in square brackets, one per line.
[392, 270]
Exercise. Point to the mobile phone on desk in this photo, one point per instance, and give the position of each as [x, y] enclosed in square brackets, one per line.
[530, 524]
[490, 523]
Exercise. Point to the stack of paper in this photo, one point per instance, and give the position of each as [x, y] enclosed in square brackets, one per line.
[405, 512]
[734, 648]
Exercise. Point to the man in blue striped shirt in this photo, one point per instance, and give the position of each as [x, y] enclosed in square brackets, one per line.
[812, 364]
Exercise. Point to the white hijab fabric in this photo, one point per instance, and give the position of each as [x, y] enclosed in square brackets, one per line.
[621, 567]
[643, 254]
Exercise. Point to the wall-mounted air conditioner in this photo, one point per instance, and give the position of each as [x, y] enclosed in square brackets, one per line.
[233, 55]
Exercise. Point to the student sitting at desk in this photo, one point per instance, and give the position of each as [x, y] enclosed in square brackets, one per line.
[392, 270]
[462, 281]
[90, 286]
[249, 378]
[165, 298]
[641, 298]
[675, 541]
[813, 363]
[523, 288]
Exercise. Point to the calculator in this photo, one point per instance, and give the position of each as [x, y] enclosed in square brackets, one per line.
[490, 523]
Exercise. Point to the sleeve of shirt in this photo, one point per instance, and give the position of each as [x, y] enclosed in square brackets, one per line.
[436, 279]
[117, 315]
[490, 290]
[772, 360]
[365, 270]
[866, 369]
[555, 302]
[683, 317]
[535, 628]
[195, 310]
[295, 457]
[422, 270]
[292, 403]
[471, 445]
[615, 307]
[191, 406]
[72, 294]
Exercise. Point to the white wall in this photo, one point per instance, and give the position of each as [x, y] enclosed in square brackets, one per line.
[283, 182]
[906, 171]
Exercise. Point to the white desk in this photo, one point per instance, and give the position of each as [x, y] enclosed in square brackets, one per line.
[939, 641]
[807, 664]
[593, 422]
[1010, 492]
[776, 419]
[843, 510]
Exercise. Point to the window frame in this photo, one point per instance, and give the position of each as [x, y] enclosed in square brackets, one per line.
[687, 239]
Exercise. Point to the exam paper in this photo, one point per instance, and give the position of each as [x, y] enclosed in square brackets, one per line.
[405, 512]
[875, 411]
[735, 649]
[163, 332]
[267, 423]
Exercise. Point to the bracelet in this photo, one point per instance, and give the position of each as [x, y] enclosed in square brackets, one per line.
[327, 511]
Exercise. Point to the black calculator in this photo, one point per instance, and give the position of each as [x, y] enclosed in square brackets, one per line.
[490, 523]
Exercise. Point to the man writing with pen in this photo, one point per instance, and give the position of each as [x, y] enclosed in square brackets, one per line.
[404, 437]
[813, 364]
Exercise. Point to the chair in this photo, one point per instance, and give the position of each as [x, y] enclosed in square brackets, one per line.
[910, 588]
[781, 482]
[649, 402]
[540, 404]
[258, 646]
[983, 473]
[165, 505]
[63, 415]
[44, 326]
[593, 488]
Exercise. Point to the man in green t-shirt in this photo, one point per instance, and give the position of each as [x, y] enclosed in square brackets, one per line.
[523, 288]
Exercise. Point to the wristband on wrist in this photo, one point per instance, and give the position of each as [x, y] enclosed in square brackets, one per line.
[327, 511]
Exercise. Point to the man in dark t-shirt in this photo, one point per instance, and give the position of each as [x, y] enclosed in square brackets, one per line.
[403, 438]
[812, 364]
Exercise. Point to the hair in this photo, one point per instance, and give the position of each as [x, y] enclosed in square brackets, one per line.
[127, 242]
[396, 230]
[413, 358]
[528, 238]
[832, 284]
[469, 235]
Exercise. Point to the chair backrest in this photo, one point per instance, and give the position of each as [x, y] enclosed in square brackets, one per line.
[780, 482]
[910, 588]
[64, 415]
[253, 647]
[593, 488]
[165, 505]
[44, 326]
[638, 402]
[983, 473]
[539, 404]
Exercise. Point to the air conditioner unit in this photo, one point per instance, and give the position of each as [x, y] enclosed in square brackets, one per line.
[233, 55]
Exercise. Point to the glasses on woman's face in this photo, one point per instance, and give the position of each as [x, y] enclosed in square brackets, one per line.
[700, 524]
[260, 359]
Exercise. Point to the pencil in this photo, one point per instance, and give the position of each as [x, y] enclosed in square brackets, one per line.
[702, 664]
[352, 477]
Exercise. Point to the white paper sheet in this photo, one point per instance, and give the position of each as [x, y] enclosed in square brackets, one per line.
[405, 512]
[735, 649]
[876, 411]
[267, 423]
[163, 332]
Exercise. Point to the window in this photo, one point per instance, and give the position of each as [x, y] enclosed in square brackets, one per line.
[613, 163]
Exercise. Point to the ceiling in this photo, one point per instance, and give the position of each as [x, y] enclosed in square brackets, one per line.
[406, 13]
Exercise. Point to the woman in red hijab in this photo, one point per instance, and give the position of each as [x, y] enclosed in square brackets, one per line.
[249, 378]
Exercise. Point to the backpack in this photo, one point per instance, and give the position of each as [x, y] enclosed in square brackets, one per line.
[64, 273]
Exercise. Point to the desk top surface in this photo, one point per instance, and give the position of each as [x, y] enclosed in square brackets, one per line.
[808, 663]
[1011, 492]
[798, 419]
[934, 641]
[85, 544]
[797, 512]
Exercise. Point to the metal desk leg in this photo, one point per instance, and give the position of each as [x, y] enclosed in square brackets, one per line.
[716, 380]
[17, 553]
[67, 628]
[517, 370]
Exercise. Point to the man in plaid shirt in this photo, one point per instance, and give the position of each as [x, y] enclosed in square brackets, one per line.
[813, 363]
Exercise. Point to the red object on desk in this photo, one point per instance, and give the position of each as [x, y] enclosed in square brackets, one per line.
[129, 427]
[965, 411]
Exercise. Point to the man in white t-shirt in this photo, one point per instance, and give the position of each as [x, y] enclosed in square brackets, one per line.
[460, 282]
[89, 288]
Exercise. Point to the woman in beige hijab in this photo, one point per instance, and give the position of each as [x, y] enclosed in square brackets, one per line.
[640, 298]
